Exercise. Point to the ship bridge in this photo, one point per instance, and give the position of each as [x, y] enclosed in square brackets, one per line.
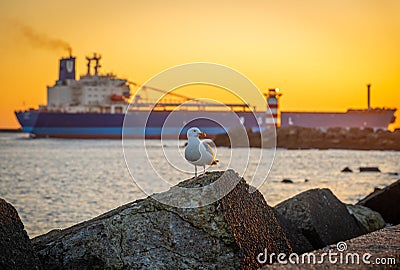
[93, 92]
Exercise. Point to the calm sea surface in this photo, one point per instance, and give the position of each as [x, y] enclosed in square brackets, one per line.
[56, 183]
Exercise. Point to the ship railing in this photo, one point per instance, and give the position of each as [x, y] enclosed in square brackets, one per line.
[190, 106]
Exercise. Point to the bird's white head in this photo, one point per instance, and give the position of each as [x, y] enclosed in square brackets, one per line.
[195, 132]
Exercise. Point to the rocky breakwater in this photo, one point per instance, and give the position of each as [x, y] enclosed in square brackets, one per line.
[338, 138]
[231, 232]
[312, 138]
[146, 234]
[319, 218]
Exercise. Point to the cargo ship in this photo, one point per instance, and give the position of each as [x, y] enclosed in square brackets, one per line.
[375, 118]
[96, 106]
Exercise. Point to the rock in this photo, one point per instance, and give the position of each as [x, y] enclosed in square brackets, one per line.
[369, 169]
[297, 240]
[347, 169]
[383, 244]
[253, 224]
[16, 250]
[146, 234]
[385, 201]
[287, 181]
[370, 219]
[321, 217]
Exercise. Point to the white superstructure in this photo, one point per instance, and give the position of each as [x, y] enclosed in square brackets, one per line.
[95, 93]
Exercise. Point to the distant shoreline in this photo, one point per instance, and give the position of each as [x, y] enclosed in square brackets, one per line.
[298, 138]
[10, 130]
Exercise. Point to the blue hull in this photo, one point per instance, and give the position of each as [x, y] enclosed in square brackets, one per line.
[95, 125]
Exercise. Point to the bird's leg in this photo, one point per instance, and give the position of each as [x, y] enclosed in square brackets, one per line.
[204, 172]
[195, 171]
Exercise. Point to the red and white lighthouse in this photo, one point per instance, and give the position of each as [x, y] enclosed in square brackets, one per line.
[273, 103]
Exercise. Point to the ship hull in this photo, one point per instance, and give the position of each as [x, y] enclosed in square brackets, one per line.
[137, 124]
[158, 124]
[374, 118]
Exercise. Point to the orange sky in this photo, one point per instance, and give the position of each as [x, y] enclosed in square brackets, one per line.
[321, 54]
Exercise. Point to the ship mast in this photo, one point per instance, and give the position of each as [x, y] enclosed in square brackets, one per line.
[97, 65]
[369, 96]
[88, 65]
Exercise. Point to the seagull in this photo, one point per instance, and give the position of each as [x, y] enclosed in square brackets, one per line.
[199, 153]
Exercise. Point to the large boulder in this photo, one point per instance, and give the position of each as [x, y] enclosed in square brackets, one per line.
[297, 240]
[370, 219]
[321, 217]
[253, 223]
[16, 250]
[385, 201]
[147, 234]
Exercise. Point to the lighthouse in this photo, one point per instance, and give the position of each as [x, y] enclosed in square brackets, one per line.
[273, 103]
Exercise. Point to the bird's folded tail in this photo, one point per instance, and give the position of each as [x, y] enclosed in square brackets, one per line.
[215, 161]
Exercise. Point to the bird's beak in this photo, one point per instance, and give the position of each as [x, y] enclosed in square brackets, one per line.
[203, 134]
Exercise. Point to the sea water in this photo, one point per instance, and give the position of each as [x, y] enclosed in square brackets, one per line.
[56, 183]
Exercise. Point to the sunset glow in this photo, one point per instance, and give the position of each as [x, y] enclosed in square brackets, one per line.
[321, 54]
